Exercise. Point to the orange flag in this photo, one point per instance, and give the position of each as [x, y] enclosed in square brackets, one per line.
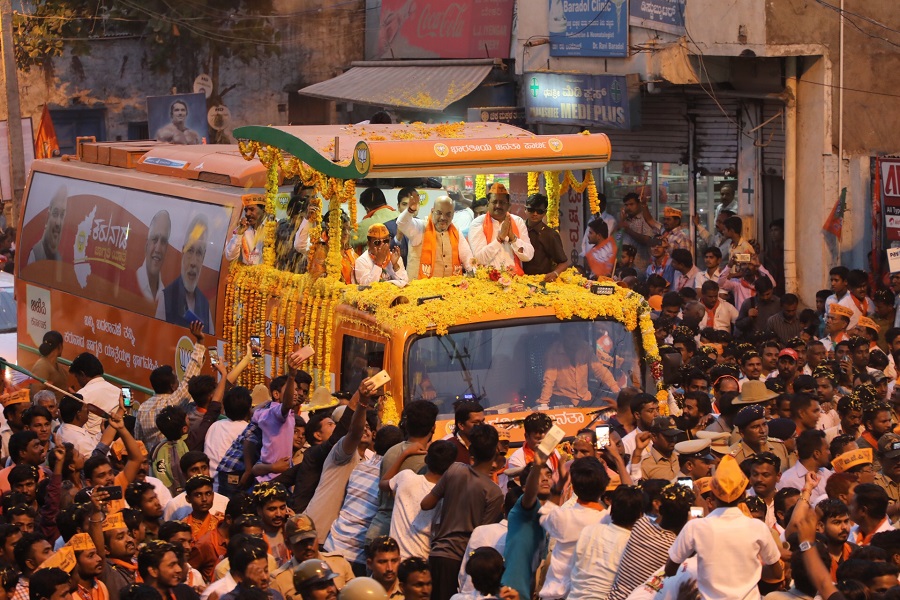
[46, 144]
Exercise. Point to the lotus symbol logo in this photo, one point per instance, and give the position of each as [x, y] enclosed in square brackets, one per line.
[441, 150]
[361, 158]
[555, 144]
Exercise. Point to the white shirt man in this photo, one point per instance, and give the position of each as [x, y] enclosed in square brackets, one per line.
[725, 314]
[79, 437]
[248, 244]
[219, 438]
[596, 560]
[503, 249]
[104, 396]
[564, 524]
[586, 245]
[441, 246]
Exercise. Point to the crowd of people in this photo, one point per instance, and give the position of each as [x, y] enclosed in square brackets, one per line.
[770, 468]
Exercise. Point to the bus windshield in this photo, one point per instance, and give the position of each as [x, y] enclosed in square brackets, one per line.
[536, 365]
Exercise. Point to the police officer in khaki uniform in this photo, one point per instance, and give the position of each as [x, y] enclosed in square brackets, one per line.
[301, 537]
[751, 422]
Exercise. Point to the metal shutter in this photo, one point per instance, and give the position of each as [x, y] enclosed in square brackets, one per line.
[715, 133]
[663, 135]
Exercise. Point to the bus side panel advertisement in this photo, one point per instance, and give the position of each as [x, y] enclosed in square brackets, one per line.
[128, 345]
[151, 254]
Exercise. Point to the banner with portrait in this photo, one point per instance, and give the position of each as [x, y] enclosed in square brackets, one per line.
[148, 253]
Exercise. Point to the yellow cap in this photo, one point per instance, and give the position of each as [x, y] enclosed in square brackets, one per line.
[19, 397]
[848, 460]
[81, 542]
[64, 559]
[378, 231]
[840, 310]
[729, 482]
[114, 521]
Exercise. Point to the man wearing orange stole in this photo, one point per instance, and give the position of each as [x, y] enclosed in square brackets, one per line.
[500, 239]
[248, 238]
[439, 247]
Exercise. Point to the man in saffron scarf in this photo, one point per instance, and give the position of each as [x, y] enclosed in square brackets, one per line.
[601, 258]
[436, 244]
[247, 239]
[500, 239]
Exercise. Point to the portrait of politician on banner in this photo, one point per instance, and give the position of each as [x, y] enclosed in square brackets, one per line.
[149, 253]
[177, 119]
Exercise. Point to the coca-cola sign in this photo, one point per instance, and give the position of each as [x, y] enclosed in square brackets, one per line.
[444, 29]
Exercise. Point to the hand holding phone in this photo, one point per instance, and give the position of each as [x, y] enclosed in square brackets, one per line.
[551, 440]
[602, 432]
[686, 482]
[255, 346]
[303, 353]
[126, 397]
[380, 378]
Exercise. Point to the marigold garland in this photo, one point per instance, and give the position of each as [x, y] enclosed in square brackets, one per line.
[552, 185]
[480, 187]
[534, 186]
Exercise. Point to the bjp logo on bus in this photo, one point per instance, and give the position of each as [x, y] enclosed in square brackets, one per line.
[183, 350]
[555, 144]
[361, 158]
[441, 150]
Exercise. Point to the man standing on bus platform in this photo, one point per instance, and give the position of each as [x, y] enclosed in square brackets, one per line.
[248, 238]
[148, 275]
[436, 244]
[500, 239]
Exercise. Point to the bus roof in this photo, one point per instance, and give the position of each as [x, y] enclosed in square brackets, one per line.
[408, 150]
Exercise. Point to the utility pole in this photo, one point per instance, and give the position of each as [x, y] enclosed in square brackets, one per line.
[14, 112]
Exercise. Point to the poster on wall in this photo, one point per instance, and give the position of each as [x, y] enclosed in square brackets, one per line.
[658, 15]
[888, 179]
[148, 253]
[443, 29]
[589, 28]
[177, 119]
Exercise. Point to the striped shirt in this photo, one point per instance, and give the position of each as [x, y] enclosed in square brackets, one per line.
[646, 552]
[348, 533]
[145, 428]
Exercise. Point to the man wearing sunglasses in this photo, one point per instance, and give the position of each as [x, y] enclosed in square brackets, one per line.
[379, 262]
[549, 256]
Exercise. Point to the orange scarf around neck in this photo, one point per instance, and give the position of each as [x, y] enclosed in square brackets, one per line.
[429, 244]
[488, 228]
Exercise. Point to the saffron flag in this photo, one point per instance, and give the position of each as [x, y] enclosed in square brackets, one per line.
[46, 144]
[835, 222]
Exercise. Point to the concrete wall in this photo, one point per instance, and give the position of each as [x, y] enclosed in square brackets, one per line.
[318, 38]
[871, 122]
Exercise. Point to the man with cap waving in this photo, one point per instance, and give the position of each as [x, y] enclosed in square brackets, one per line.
[500, 239]
[247, 239]
[733, 551]
[751, 422]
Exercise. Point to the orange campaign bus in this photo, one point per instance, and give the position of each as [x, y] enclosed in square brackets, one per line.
[112, 239]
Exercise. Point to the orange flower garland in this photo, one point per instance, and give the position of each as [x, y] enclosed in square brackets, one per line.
[552, 185]
[533, 183]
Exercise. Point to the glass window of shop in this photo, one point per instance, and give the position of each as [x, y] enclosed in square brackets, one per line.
[666, 184]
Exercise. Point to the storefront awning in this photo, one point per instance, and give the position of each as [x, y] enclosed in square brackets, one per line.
[421, 85]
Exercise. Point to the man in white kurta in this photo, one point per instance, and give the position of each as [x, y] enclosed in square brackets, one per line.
[379, 262]
[247, 240]
[500, 239]
[446, 250]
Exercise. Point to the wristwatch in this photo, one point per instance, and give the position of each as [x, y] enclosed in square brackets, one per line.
[804, 546]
